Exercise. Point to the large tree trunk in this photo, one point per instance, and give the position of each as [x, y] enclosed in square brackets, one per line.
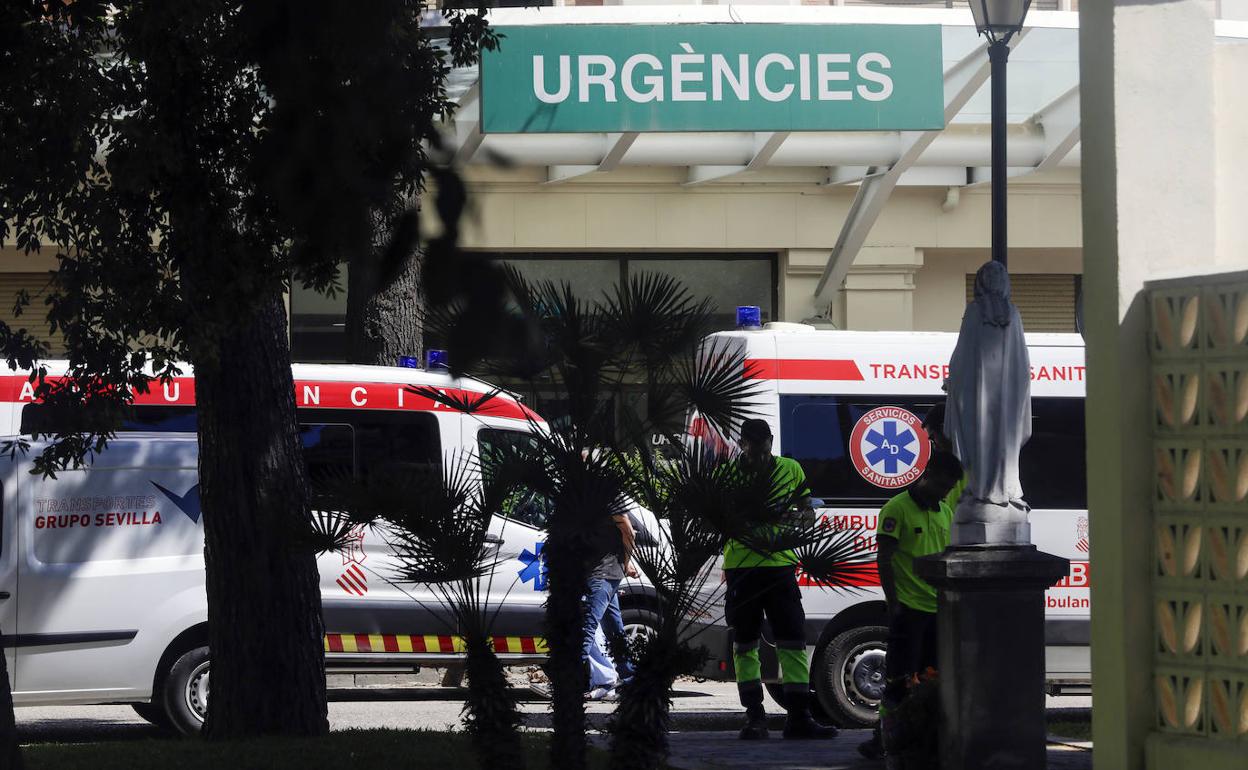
[384, 323]
[264, 605]
[10, 752]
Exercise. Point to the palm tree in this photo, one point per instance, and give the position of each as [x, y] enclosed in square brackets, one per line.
[437, 521]
[704, 500]
[641, 338]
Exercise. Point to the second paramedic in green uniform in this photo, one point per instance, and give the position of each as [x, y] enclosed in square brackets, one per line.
[761, 584]
[914, 523]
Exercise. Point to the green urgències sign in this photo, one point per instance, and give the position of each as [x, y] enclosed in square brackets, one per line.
[713, 77]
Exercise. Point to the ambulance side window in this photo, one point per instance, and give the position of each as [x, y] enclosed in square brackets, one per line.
[386, 443]
[523, 505]
[40, 418]
[1053, 466]
[328, 450]
[815, 431]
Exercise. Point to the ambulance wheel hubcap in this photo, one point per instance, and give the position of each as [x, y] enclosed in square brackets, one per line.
[635, 631]
[197, 691]
[864, 674]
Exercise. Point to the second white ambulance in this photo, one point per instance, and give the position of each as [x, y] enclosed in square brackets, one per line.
[848, 406]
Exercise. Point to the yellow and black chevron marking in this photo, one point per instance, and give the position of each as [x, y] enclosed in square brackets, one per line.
[449, 645]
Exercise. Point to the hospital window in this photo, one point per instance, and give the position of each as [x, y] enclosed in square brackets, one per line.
[815, 431]
[318, 323]
[727, 280]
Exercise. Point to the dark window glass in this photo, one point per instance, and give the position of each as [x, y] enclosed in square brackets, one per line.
[1053, 467]
[163, 419]
[386, 443]
[40, 418]
[523, 505]
[815, 431]
[328, 450]
[727, 283]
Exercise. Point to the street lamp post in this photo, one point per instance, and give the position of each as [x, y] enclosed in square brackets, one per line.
[999, 20]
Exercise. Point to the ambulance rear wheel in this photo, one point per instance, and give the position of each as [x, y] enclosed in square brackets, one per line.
[848, 676]
[185, 691]
[639, 623]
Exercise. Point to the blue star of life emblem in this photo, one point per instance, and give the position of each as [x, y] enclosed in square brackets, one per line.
[534, 567]
[891, 445]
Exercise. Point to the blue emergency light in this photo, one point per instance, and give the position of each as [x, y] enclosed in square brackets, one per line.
[409, 362]
[435, 359]
[749, 317]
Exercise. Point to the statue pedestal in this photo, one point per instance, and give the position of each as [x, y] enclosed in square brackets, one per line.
[991, 636]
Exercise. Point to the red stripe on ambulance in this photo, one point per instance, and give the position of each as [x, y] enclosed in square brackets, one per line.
[312, 394]
[864, 575]
[801, 369]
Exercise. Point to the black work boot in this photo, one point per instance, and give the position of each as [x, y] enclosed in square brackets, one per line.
[800, 725]
[755, 724]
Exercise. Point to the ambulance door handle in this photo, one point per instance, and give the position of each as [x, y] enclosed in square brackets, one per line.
[493, 539]
[4, 595]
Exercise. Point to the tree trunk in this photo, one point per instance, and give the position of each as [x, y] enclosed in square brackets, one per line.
[10, 751]
[264, 605]
[493, 718]
[643, 718]
[383, 324]
[565, 619]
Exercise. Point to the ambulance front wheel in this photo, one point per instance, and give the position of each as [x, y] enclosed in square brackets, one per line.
[848, 676]
[185, 691]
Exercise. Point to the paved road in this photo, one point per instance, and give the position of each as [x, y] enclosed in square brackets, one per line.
[706, 716]
[708, 705]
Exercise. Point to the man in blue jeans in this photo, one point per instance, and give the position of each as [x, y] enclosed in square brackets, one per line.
[603, 609]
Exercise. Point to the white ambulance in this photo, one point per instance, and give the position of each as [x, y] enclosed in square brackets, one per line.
[102, 574]
[848, 407]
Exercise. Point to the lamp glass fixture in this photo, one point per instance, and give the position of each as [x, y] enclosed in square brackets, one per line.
[999, 19]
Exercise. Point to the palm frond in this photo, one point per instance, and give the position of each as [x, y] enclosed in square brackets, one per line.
[461, 401]
[833, 558]
[513, 466]
[328, 531]
[717, 385]
[653, 320]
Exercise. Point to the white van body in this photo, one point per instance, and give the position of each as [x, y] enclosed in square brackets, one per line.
[102, 569]
[817, 386]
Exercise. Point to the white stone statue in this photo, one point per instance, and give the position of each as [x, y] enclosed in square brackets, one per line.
[988, 414]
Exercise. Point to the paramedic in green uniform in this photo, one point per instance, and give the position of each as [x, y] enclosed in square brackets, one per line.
[914, 523]
[766, 584]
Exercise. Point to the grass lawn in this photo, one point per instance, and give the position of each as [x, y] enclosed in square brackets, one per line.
[1075, 729]
[352, 748]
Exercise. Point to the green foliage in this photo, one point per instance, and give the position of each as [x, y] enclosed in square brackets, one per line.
[437, 522]
[184, 163]
[590, 351]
